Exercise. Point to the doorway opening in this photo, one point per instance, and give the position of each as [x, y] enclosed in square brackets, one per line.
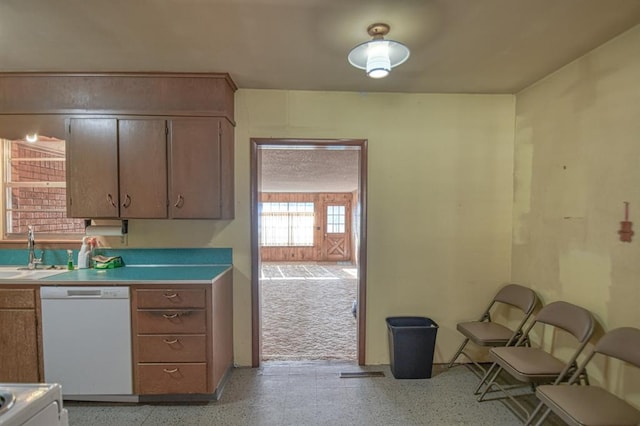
[308, 242]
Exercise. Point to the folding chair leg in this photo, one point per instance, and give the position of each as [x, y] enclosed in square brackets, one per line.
[534, 414]
[484, 378]
[544, 417]
[458, 353]
[489, 384]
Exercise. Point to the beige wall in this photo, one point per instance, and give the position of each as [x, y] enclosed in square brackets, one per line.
[577, 151]
[440, 197]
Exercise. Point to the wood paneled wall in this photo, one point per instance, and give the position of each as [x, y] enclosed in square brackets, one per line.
[293, 253]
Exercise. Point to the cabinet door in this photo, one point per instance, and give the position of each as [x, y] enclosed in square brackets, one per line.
[92, 168]
[195, 175]
[143, 168]
[18, 346]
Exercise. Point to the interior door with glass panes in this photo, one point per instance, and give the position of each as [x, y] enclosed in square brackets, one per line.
[337, 228]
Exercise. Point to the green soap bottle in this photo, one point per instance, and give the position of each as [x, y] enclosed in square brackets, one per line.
[70, 260]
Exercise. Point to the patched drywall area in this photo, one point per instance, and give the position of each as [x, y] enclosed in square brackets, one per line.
[577, 160]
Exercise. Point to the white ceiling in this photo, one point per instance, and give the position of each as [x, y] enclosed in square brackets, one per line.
[468, 46]
[307, 170]
[457, 46]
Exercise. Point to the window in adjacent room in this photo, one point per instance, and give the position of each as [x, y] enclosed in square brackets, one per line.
[35, 190]
[286, 224]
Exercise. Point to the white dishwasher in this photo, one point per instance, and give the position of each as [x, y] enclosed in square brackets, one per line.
[86, 333]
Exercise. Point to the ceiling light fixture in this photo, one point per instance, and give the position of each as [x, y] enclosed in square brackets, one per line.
[31, 138]
[378, 56]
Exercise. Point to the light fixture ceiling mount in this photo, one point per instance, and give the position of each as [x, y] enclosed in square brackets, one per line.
[378, 56]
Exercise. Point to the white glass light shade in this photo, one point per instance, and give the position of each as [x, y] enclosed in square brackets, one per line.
[377, 57]
[378, 62]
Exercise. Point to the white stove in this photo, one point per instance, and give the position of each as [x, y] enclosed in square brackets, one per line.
[32, 405]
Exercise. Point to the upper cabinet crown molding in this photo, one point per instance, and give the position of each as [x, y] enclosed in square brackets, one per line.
[164, 94]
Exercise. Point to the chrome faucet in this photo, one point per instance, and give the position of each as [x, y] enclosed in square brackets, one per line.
[31, 245]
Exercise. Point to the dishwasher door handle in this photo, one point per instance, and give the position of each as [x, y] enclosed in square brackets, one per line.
[84, 293]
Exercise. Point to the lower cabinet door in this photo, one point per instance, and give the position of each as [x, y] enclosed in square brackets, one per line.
[154, 379]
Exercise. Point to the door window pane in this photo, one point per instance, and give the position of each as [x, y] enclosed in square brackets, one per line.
[336, 219]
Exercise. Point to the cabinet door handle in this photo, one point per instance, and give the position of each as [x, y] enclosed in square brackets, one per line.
[171, 295]
[172, 316]
[170, 342]
[110, 200]
[127, 201]
[180, 202]
[166, 370]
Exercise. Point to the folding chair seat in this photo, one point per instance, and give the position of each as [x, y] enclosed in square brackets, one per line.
[534, 365]
[592, 405]
[488, 333]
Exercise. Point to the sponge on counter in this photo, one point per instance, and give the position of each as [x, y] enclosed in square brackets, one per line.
[103, 262]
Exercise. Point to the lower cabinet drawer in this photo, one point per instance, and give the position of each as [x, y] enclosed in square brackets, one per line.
[172, 348]
[155, 379]
[153, 321]
[16, 298]
[171, 298]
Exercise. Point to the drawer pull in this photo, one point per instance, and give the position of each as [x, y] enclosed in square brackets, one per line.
[170, 342]
[166, 370]
[171, 295]
[172, 316]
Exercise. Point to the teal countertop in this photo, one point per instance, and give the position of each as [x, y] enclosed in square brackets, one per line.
[138, 274]
[143, 265]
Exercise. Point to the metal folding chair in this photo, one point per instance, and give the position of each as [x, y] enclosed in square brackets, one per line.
[488, 333]
[592, 405]
[534, 365]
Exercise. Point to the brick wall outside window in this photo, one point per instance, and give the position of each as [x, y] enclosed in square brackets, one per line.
[35, 189]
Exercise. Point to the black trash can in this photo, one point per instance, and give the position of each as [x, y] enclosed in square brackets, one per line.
[412, 341]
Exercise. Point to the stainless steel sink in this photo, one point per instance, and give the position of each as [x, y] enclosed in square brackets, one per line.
[21, 273]
[6, 400]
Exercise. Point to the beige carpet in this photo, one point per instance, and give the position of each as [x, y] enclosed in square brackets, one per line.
[306, 311]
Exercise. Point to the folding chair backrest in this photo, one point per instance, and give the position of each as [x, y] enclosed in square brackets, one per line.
[571, 318]
[621, 343]
[516, 295]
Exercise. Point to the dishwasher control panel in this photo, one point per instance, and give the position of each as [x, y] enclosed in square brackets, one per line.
[84, 292]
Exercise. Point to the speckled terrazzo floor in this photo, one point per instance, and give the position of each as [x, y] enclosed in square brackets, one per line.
[312, 393]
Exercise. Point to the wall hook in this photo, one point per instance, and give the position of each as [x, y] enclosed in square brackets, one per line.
[625, 226]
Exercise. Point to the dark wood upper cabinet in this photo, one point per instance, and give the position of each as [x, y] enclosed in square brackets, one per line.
[195, 176]
[139, 145]
[143, 168]
[197, 164]
[116, 168]
[150, 168]
[92, 168]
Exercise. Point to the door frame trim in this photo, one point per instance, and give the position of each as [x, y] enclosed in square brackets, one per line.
[256, 143]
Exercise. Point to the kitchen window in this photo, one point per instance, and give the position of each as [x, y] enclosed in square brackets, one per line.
[35, 190]
[286, 224]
